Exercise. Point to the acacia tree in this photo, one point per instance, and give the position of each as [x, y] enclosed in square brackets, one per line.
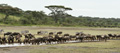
[8, 10]
[58, 11]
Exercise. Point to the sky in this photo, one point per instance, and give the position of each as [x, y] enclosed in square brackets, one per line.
[92, 8]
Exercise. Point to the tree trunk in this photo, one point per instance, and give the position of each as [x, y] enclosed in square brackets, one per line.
[6, 17]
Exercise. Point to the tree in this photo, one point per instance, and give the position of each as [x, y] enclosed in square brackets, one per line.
[9, 10]
[58, 11]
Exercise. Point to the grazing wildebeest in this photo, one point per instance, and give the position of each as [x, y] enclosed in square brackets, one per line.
[105, 37]
[18, 38]
[30, 36]
[99, 37]
[4, 40]
[26, 41]
[7, 33]
[26, 36]
[72, 37]
[50, 39]
[59, 32]
[65, 38]
[93, 37]
[118, 37]
[51, 33]
[89, 37]
[38, 40]
[10, 39]
[15, 33]
[39, 32]
[24, 32]
[66, 34]
[112, 36]
[58, 39]
[80, 37]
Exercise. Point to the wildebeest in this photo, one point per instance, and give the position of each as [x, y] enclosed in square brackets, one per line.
[10, 39]
[51, 33]
[28, 37]
[80, 38]
[104, 37]
[65, 38]
[72, 37]
[26, 41]
[66, 34]
[59, 32]
[58, 38]
[99, 37]
[7, 33]
[112, 36]
[118, 37]
[36, 40]
[18, 38]
[15, 33]
[4, 40]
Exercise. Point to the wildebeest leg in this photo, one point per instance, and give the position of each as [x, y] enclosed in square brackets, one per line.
[24, 42]
[81, 39]
[99, 39]
[38, 43]
[105, 39]
[12, 41]
[19, 41]
[0, 42]
[8, 41]
[32, 43]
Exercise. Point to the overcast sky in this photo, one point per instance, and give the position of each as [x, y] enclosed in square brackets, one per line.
[93, 8]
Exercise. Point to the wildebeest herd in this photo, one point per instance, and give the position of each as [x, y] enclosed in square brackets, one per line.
[52, 37]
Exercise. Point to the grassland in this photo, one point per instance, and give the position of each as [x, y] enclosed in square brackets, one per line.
[111, 46]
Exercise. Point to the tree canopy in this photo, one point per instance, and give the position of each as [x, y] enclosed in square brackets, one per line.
[9, 10]
[58, 11]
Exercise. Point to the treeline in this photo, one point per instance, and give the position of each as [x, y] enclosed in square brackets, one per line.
[15, 16]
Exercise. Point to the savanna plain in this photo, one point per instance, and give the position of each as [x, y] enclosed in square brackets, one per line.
[111, 46]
